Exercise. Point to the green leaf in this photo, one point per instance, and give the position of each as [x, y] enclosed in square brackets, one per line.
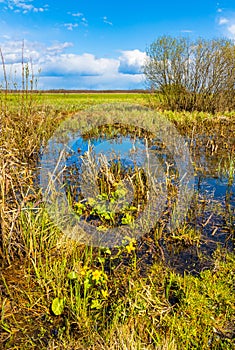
[57, 306]
[127, 219]
[101, 260]
[72, 275]
[87, 284]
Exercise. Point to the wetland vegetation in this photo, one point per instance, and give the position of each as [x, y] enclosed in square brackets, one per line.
[167, 289]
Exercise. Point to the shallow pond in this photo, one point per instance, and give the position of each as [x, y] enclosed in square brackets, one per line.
[211, 213]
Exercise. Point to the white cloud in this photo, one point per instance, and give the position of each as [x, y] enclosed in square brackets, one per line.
[105, 20]
[223, 21]
[60, 69]
[5, 36]
[227, 25]
[132, 61]
[84, 21]
[39, 9]
[79, 17]
[78, 14]
[186, 31]
[12, 51]
[24, 6]
[70, 26]
[80, 65]
[219, 10]
[59, 47]
[231, 29]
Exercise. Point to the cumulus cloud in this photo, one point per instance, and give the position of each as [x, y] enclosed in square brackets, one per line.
[32, 50]
[227, 25]
[80, 65]
[60, 69]
[132, 61]
[12, 51]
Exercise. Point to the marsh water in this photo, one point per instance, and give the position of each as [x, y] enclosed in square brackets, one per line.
[212, 208]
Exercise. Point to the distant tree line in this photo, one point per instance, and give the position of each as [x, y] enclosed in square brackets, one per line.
[77, 91]
[192, 74]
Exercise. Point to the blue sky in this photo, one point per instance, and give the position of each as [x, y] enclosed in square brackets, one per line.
[89, 44]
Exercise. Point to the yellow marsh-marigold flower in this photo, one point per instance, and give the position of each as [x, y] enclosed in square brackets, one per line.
[104, 293]
[84, 270]
[130, 248]
[96, 275]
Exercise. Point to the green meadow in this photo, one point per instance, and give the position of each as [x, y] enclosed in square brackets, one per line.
[170, 289]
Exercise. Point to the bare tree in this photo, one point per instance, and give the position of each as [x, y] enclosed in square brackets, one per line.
[191, 75]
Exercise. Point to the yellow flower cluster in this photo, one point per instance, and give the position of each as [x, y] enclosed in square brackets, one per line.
[130, 247]
[97, 275]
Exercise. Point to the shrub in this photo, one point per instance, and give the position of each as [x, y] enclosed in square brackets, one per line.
[192, 75]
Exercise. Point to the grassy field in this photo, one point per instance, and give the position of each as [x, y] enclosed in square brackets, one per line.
[58, 294]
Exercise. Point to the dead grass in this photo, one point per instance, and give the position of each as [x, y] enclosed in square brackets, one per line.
[154, 309]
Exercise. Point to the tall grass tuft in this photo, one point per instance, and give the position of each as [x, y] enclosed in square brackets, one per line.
[25, 126]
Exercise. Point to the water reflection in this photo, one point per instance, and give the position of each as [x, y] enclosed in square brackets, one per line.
[212, 212]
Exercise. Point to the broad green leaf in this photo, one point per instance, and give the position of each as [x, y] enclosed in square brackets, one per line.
[72, 275]
[57, 306]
